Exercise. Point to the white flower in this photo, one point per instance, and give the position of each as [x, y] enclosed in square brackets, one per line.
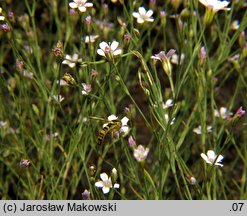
[215, 5]
[86, 89]
[58, 98]
[143, 15]
[124, 124]
[109, 49]
[82, 5]
[168, 118]
[71, 61]
[91, 38]
[167, 104]
[198, 130]
[211, 158]
[141, 153]
[223, 113]
[105, 183]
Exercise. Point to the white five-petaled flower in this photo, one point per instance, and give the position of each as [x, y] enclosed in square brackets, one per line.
[86, 89]
[71, 61]
[124, 125]
[91, 38]
[82, 5]
[212, 158]
[167, 104]
[215, 5]
[109, 49]
[198, 130]
[105, 183]
[223, 113]
[141, 153]
[143, 16]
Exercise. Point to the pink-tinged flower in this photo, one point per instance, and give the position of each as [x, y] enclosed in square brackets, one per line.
[212, 158]
[215, 5]
[109, 49]
[141, 153]
[105, 183]
[223, 113]
[165, 59]
[82, 5]
[24, 163]
[71, 61]
[86, 89]
[143, 16]
[161, 56]
[5, 27]
[131, 141]
[240, 112]
[86, 195]
[203, 53]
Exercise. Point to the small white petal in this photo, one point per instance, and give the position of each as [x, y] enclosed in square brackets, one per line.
[211, 155]
[104, 176]
[116, 185]
[71, 65]
[140, 20]
[2, 18]
[82, 8]
[99, 184]
[124, 121]
[149, 13]
[112, 117]
[89, 4]
[101, 52]
[136, 15]
[73, 5]
[150, 19]
[117, 52]
[220, 158]
[105, 190]
[142, 11]
[103, 45]
[124, 129]
[205, 158]
[114, 45]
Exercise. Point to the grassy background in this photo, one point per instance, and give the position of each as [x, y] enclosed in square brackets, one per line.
[61, 166]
